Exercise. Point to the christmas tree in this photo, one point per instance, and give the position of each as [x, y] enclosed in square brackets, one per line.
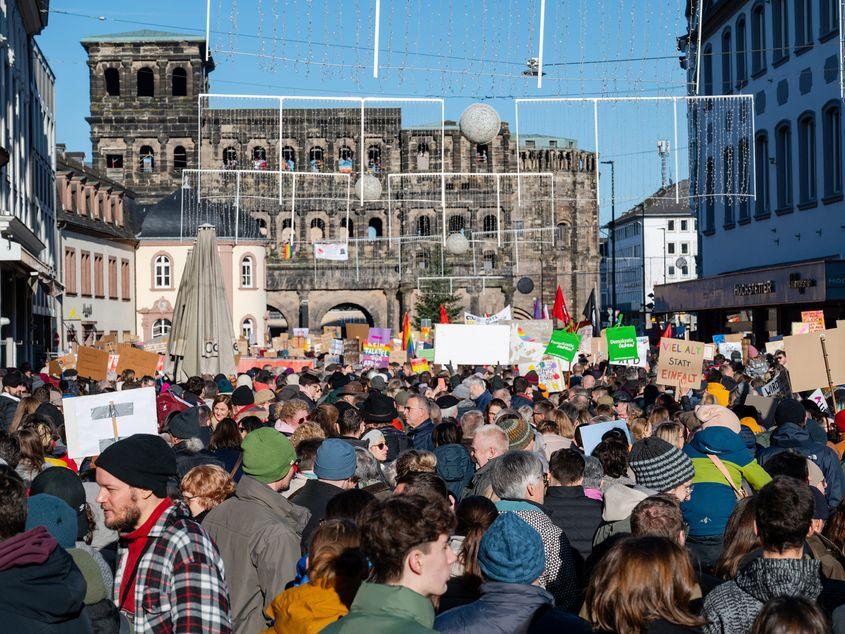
[433, 294]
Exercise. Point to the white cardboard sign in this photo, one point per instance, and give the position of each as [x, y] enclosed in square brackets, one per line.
[471, 345]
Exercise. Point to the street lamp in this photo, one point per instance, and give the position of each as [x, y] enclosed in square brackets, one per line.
[612, 236]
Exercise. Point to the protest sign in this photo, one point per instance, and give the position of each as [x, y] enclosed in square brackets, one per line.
[709, 351]
[679, 363]
[563, 345]
[333, 331]
[300, 332]
[818, 398]
[351, 351]
[425, 330]
[376, 350]
[92, 363]
[621, 343]
[642, 355]
[357, 331]
[94, 422]
[336, 347]
[419, 365]
[598, 349]
[426, 353]
[772, 347]
[766, 405]
[528, 340]
[814, 318]
[728, 348]
[477, 320]
[807, 369]
[777, 387]
[472, 345]
[586, 334]
[834, 340]
[591, 434]
[550, 373]
[131, 358]
[800, 328]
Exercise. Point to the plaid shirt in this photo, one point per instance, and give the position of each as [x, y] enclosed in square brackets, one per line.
[180, 584]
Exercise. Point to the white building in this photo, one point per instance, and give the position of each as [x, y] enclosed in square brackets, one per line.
[665, 253]
[786, 54]
[29, 290]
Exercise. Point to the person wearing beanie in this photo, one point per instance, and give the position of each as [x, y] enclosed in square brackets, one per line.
[188, 444]
[661, 467]
[713, 497]
[258, 530]
[335, 471]
[163, 554]
[512, 559]
[243, 399]
[520, 434]
[792, 434]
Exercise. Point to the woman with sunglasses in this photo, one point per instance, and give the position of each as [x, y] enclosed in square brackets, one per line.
[377, 444]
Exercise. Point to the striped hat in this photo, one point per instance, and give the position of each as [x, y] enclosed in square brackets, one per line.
[519, 432]
[659, 465]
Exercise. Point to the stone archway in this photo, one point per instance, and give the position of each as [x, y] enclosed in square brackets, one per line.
[373, 304]
[346, 313]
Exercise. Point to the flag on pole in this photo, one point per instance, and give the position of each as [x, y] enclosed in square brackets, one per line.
[591, 313]
[559, 310]
[537, 310]
[444, 317]
[287, 251]
[667, 333]
[406, 331]
[546, 314]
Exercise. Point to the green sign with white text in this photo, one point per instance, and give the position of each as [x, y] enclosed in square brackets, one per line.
[621, 343]
[563, 345]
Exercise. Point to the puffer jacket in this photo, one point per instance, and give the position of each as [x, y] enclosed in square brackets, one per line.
[713, 500]
[455, 467]
[792, 437]
[577, 515]
[305, 609]
[620, 499]
[733, 606]
[510, 607]
[382, 609]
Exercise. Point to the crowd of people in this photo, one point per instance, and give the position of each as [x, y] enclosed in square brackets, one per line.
[349, 499]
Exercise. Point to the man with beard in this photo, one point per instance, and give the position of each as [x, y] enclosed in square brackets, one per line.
[170, 575]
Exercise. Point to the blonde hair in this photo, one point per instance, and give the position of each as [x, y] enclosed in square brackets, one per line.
[415, 460]
[640, 428]
[291, 407]
[27, 406]
[209, 484]
[306, 431]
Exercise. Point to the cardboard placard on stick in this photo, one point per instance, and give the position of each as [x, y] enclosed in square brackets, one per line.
[361, 332]
[834, 343]
[92, 363]
[805, 357]
[766, 405]
[131, 358]
[679, 363]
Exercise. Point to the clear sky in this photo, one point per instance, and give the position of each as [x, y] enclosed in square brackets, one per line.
[463, 51]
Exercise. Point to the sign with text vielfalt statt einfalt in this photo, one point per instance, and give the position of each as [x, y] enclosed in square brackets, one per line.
[679, 363]
[621, 343]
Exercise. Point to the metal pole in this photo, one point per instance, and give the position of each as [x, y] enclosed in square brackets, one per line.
[612, 236]
[643, 255]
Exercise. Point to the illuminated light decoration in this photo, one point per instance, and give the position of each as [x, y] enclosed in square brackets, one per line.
[480, 123]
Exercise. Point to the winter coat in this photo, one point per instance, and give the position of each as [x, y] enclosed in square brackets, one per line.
[314, 496]
[420, 436]
[559, 577]
[517, 401]
[41, 589]
[481, 483]
[507, 608]
[229, 457]
[191, 453]
[305, 609]
[553, 442]
[576, 515]
[8, 407]
[483, 400]
[397, 441]
[381, 609]
[104, 615]
[732, 607]
[790, 436]
[620, 499]
[713, 500]
[455, 467]
[257, 532]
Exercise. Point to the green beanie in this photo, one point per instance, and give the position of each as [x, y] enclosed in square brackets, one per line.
[268, 455]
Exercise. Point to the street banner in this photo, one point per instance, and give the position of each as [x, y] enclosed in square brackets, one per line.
[642, 355]
[94, 422]
[815, 319]
[472, 345]
[679, 363]
[476, 320]
[621, 343]
[337, 251]
[563, 345]
[420, 365]
[591, 434]
[805, 355]
[550, 372]
[528, 340]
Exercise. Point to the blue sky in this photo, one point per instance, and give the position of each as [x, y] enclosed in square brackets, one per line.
[463, 51]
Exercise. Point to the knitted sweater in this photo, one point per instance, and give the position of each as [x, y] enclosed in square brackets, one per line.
[732, 607]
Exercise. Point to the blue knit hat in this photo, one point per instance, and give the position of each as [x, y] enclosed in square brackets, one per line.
[335, 460]
[511, 551]
[55, 515]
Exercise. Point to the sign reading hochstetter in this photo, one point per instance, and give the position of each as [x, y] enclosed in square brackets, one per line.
[563, 345]
[621, 343]
[680, 363]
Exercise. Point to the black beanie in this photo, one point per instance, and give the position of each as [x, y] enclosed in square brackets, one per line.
[243, 396]
[144, 461]
[790, 411]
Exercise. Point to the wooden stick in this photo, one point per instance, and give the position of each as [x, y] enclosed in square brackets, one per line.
[113, 413]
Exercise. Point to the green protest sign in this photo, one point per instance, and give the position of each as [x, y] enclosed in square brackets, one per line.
[621, 343]
[426, 353]
[564, 345]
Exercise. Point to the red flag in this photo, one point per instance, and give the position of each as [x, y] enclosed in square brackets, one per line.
[667, 333]
[444, 318]
[559, 311]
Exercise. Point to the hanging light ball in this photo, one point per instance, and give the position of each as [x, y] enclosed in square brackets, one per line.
[371, 187]
[480, 123]
[457, 244]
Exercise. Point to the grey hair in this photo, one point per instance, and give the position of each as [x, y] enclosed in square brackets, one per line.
[474, 380]
[366, 466]
[527, 413]
[471, 421]
[495, 436]
[513, 472]
[423, 402]
[593, 473]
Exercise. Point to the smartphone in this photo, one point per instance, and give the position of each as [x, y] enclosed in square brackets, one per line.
[441, 383]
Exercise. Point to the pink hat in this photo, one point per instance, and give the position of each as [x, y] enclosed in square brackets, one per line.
[717, 416]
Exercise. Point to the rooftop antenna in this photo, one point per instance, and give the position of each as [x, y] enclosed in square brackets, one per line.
[663, 153]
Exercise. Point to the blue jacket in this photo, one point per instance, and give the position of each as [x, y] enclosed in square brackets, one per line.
[483, 400]
[455, 467]
[421, 436]
[790, 436]
[510, 607]
[518, 401]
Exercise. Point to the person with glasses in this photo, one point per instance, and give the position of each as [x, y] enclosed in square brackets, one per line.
[310, 389]
[376, 443]
[418, 417]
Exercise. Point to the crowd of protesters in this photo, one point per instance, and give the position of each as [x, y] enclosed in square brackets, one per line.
[346, 499]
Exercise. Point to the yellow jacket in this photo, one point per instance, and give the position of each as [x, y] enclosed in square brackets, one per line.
[305, 609]
[720, 393]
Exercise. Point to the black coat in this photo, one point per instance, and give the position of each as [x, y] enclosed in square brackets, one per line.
[577, 515]
[315, 496]
[8, 407]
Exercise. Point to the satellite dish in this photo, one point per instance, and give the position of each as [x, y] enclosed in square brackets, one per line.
[681, 262]
[525, 285]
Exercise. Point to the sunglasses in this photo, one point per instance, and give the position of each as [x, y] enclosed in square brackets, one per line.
[380, 445]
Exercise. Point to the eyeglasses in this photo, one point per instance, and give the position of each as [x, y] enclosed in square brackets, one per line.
[380, 445]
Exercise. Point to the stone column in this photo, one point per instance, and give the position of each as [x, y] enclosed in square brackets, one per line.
[303, 309]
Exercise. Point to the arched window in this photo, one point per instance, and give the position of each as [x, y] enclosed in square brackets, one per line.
[112, 78]
[783, 165]
[161, 328]
[374, 228]
[707, 88]
[489, 261]
[803, 23]
[422, 148]
[162, 272]
[727, 80]
[780, 30]
[259, 158]
[758, 38]
[423, 156]
[289, 159]
[230, 158]
[456, 224]
[248, 330]
[374, 158]
[761, 175]
[146, 160]
[287, 232]
[423, 260]
[315, 159]
[318, 229]
[423, 226]
[347, 228]
[728, 176]
[180, 158]
[247, 272]
[807, 158]
[146, 82]
[481, 152]
[344, 160]
[562, 234]
[345, 153]
[832, 146]
[179, 83]
[489, 223]
[741, 53]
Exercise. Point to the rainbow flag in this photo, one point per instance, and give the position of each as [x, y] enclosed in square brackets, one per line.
[287, 251]
[406, 331]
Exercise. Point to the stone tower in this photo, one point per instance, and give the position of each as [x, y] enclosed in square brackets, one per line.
[144, 87]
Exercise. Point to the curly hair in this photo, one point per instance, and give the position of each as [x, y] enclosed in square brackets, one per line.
[209, 484]
[307, 431]
[415, 460]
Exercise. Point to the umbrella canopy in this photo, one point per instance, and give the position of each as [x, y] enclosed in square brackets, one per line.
[202, 340]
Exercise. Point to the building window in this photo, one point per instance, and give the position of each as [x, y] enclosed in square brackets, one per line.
[248, 330]
[114, 161]
[482, 152]
[832, 140]
[670, 225]
[456, 224]
[180, 158]
[161, 328]
[761, 176]
[727, 80]
[70, 271]
[162, 272]
[287, 232]
[423, 226]
[489, 259]
[288, 159]
[744, 181]
[671, 271]
[423, 260]
[807, 158]
[780, 30]
[374, 158]
[670, 248]
[247, 272]
[708, 70]
[489, 223]
[179, 83]
[259, 158]
[783, 165]
[728, 174]
[828, 16]
[803, 23]
[684, 248]
[230, 158]
[315, 159]
[112, 277]
[758, 39]
[112, 79]
[710, 196]
[146, 82]
[85, 271]
[374, 228]
[146, 160]
[347, 228]
[318, 229]
[125, 281]
[741, 68]
[684, 225]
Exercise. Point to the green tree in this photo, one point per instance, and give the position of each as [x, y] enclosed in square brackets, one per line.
[435, 293]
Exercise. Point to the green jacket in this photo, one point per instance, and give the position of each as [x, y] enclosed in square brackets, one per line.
[380, 609]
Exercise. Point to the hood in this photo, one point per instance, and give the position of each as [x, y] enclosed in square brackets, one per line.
[522, 599]
[31, 547]
[620, 500]
[453, 463]
[309, 603]
[790, 435]
[250, 489]
[48, 592]
[766, 579]
[396, 602]
[716, 441]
